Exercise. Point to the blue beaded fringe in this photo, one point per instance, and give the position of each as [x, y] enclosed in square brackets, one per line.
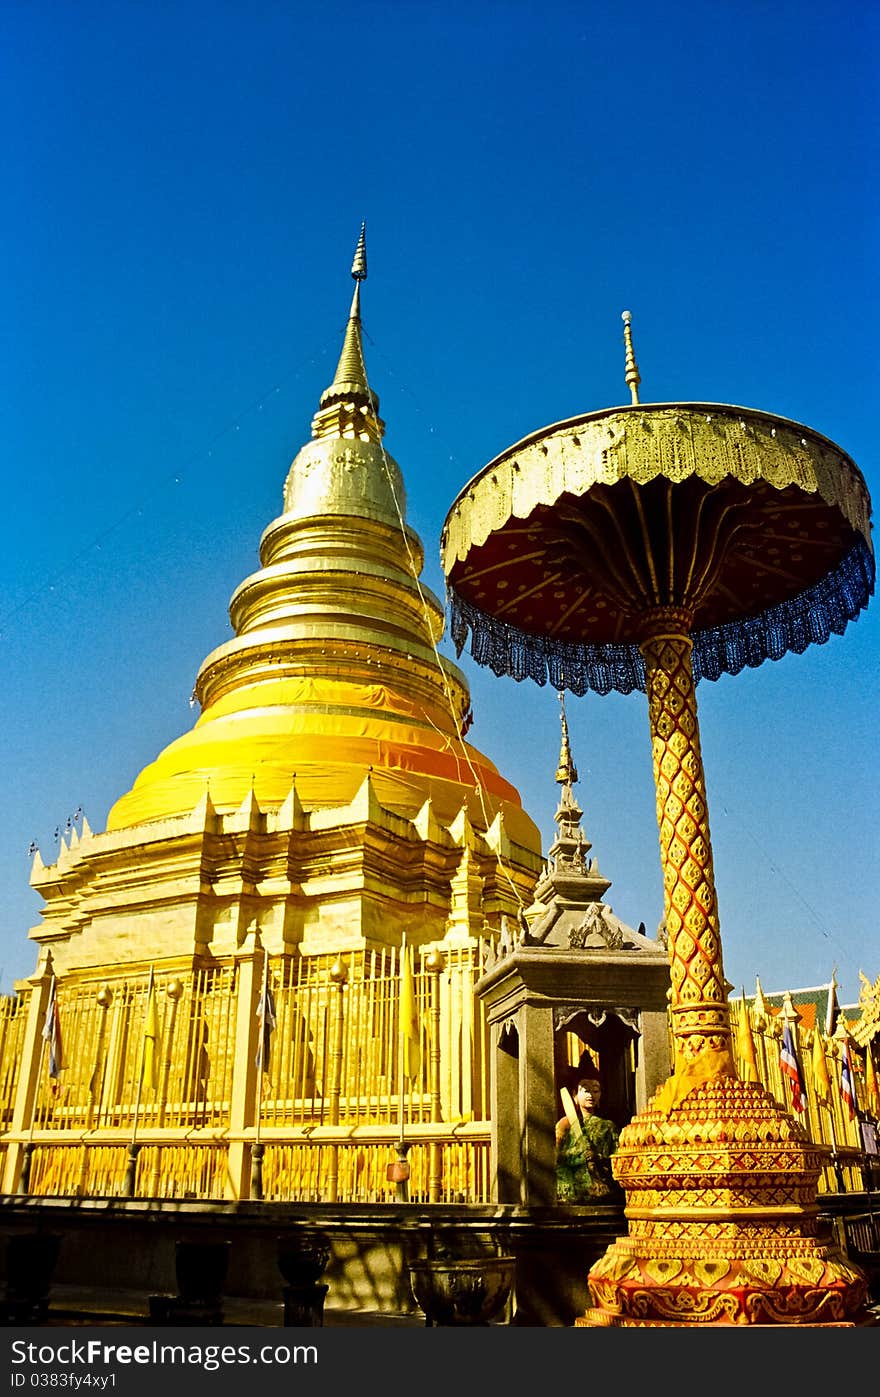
[807, 619]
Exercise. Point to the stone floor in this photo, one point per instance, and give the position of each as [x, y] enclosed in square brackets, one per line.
[72, 1305]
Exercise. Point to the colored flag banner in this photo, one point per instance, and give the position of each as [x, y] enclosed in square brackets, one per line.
[52, 1031]
[150, 1072]
[833, 1008]
[267, 1020]
[821, 1079]
[409, 1019]
[872, 1090]
[791, 1068]
[848, 1081]
[746, 1043]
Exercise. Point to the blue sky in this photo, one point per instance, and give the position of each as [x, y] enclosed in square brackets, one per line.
[183, 185]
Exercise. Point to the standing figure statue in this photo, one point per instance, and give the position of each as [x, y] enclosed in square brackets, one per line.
[585, 1143]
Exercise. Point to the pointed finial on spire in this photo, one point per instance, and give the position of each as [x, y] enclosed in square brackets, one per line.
[566, 771]
[632, 369]
[350, 386]
[359, 265]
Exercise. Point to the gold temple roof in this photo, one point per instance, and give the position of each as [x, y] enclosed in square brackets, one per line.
[333, 672]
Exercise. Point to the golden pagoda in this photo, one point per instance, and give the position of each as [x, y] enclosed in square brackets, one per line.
[324, 810]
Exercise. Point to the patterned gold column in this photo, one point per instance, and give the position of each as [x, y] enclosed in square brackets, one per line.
[700, 1016]
[720, 1181]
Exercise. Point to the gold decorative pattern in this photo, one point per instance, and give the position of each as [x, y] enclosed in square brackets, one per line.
[675, 440]
[722, 1221]
[867, 1027]
[700, 1018]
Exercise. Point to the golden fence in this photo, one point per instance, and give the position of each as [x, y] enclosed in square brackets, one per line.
[333, 1065]
[330, 1103]
[313, 1078]
[828, 1124]
[102, 1042]
[13, 1009]
[300, 1171]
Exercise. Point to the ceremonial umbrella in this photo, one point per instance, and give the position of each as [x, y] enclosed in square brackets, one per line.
[646, 547]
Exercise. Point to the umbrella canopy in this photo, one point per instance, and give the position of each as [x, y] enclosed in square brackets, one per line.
[756, 527]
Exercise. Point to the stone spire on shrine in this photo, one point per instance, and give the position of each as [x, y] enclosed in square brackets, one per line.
[569, 908]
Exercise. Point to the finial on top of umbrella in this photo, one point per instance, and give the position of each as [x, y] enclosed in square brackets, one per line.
[632, 368]
[359, 264]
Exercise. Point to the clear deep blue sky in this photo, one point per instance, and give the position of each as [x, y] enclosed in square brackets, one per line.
[183, 185]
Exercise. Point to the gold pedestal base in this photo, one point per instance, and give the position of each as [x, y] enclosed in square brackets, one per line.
[723, 1224]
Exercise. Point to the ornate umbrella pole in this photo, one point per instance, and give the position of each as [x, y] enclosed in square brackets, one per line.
[700, 1014]
[649, 546]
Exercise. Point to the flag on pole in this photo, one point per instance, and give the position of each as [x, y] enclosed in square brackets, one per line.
[847, 1080]
[821, 1079]
[872, 1089]
[52, 1031]
[267, 1019]
[791, 1068]
[150, 1069]
[746, 1043]
[833, 1008]
[409, 1019]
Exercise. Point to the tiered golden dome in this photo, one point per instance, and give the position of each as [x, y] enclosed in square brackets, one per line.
[333, 672]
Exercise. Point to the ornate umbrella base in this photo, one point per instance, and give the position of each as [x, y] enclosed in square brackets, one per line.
[723, 1224]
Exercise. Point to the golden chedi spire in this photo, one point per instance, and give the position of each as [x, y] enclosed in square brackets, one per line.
[349, 406]
[333, 672]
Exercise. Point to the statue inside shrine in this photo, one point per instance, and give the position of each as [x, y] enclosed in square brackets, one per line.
[585, 1142]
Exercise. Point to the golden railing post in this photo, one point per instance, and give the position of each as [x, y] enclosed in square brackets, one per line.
[435, 964]
[244, 1070]
[338, 979]
[104, 999]
[174, 991]
[19, 1151]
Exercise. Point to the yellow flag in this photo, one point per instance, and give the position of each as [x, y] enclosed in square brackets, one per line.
[821, 1079]
[746, 1044]
[151, 1039]
[872, 1088]
[409, 1018]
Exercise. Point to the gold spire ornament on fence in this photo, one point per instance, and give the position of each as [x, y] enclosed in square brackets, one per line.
[746, 1043]
[645, 547]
